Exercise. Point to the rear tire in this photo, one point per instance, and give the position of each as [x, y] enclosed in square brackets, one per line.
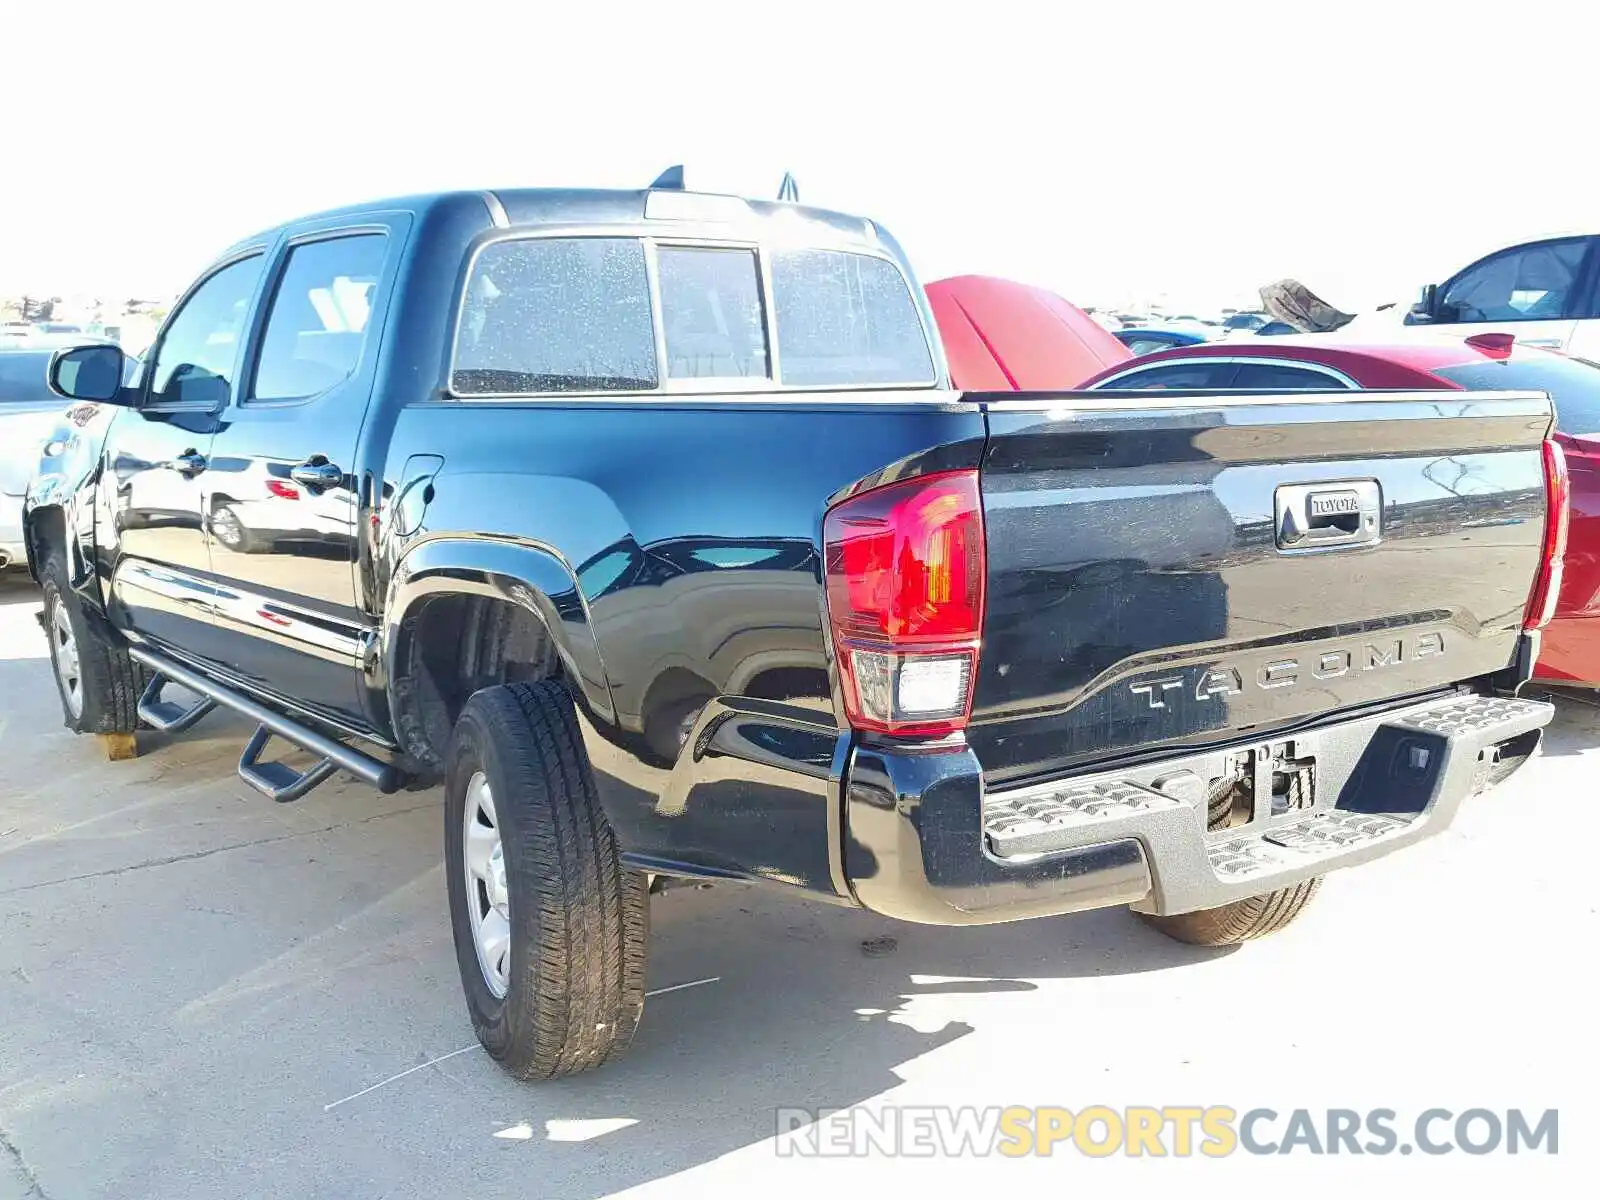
[1240, 921]
[566, 991]
[98, 683]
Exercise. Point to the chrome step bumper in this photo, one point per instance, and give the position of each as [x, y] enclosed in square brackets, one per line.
[1381, 782]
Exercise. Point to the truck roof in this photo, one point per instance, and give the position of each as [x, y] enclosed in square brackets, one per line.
[738, 215]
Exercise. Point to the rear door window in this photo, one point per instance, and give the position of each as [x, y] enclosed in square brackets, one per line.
[318, 322]
[556, 315]
[847, 320]
[711, 313]
[1573, 385]
[1197, 374]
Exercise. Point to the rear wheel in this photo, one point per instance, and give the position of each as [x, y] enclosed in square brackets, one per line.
[232, 532]
[550, 929]
[1241, 920]
[99, 684]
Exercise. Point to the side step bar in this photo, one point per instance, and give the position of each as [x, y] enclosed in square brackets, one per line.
[275, 780]
[164, 714]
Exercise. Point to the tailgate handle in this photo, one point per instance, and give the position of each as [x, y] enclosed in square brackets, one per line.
[1328, 516]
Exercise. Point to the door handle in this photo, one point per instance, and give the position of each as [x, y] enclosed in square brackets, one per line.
[314, 474]
[190, 462]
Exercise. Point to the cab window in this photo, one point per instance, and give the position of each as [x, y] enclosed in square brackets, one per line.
[193, 366]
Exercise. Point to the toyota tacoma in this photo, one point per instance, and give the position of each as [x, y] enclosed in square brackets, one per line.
[648, 524]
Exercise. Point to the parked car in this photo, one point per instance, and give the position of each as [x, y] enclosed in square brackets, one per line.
[29, 410]
[1146, 340]
[676, 556]
[1571, 642]
[1544, 293]
[1002, 335]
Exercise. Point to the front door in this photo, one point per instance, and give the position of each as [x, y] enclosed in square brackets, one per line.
[281, 488]
[1537, 293]
[155, 462]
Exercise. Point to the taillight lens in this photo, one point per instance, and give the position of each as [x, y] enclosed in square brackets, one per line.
[282, 490]
[1558, 513]
[905, 571]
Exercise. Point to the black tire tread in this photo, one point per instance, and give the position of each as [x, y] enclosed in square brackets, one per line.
[583, 983]
[1240, 921]
[112, 681]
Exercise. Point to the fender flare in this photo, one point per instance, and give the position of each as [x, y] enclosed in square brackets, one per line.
[535, 577]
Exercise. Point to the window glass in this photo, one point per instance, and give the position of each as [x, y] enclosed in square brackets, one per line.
[711, 313]
[1573, 385]
[194, 364]
[1271, 377]
[1531, 283]
[23, 377]
[846, 320]
[556, 315]
[1175, 376]
[319, 317]
[1145, 345]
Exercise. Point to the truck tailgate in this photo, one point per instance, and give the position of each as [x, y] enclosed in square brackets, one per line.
[1172, 570]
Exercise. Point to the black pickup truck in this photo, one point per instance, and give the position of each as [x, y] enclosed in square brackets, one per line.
[648, 523]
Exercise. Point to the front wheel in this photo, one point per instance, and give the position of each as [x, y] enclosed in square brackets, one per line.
[98, 682]
[550, 929]
[1240, 921]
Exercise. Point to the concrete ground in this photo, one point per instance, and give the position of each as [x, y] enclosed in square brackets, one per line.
[204, 995]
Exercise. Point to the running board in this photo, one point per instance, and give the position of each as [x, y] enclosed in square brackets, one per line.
[278, 780]
[274, 779]
[164, 714]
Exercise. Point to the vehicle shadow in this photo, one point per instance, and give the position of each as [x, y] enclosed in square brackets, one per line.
[1576, 727]
[800, 1017]
[17, 588]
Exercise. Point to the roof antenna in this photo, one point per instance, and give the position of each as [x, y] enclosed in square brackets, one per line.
[789, 190]
[670, 180]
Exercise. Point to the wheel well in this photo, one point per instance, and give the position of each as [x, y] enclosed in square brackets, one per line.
[455, 645]
[46, 527]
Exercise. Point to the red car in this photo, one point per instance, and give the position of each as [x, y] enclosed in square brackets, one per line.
[1571, 652]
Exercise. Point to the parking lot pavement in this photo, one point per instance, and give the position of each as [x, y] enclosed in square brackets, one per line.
[198, 989]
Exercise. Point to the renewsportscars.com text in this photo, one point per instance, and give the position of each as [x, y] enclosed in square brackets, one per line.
[1177, 1131]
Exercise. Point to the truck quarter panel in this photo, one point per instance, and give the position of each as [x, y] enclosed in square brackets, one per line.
[688, 535]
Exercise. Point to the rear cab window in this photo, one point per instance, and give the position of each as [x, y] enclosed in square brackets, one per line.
[601, 314]
[1573, 385]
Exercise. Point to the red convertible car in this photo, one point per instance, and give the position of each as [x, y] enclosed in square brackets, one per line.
[1571, 652]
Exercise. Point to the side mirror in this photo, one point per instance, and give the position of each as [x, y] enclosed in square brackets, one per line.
[1427, 304]
[90, 373]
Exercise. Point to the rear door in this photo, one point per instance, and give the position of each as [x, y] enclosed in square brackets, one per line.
[281, 495]
[151, 523]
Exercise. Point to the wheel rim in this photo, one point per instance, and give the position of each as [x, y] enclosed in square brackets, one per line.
[225, 524]
[65, 643]
[488, 902]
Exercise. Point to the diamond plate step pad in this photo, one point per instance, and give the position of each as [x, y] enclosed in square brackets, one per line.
[1014, 824]
[1475, 714]
[1327, 831]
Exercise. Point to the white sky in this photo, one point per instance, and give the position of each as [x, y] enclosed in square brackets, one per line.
[1107, 151]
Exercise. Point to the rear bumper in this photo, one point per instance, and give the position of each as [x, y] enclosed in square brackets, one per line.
[923, 842]
[13, 552]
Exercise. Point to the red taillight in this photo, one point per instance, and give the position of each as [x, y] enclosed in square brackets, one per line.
[1558, 512]
[282, 490]
[905, 571]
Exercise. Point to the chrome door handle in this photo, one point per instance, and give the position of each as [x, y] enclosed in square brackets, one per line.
[316, 474]
[190, 462]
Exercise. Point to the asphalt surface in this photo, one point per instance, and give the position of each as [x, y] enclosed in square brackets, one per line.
[203, 994]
